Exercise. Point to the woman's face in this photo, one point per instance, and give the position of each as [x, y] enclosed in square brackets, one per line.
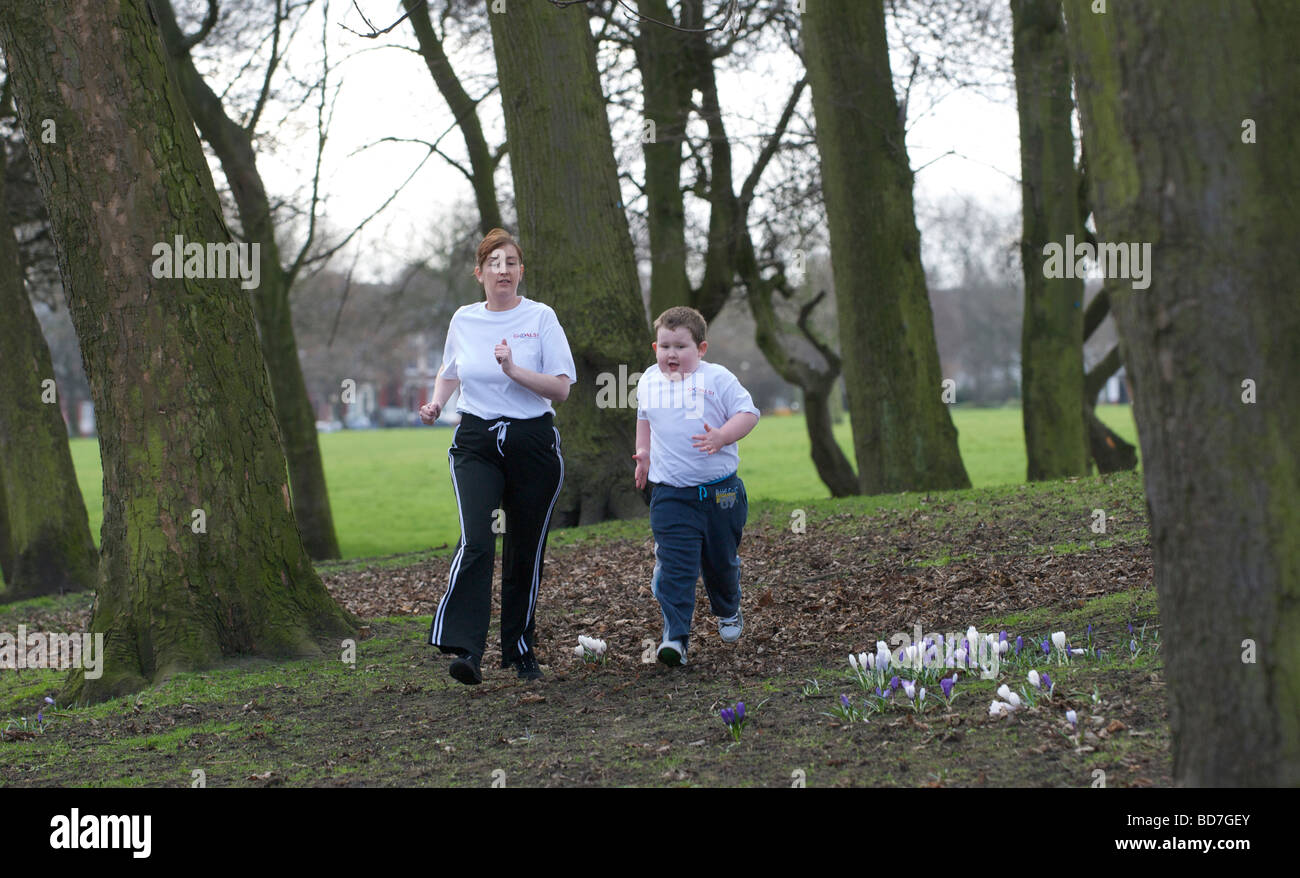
[501, 272]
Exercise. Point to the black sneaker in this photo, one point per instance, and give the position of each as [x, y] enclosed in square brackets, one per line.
[527, 667]
[465, 669]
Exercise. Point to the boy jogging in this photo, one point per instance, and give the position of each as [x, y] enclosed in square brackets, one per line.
[690, 415]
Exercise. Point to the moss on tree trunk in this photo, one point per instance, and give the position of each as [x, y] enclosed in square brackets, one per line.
[1051, 362]
[1165, 92]
[903, 436]
[233, 146]
[575, 237]
[181, 395]
[45, 544]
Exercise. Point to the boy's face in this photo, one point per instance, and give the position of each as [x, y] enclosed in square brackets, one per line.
[677, 352]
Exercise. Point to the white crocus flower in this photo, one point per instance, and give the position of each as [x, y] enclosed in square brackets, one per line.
[1058, 638]
[909, 689]
[1013, 699]
[580, 650]
[972, 635]
[1004, 692]
[865, 662]
[853, 662]
[591, 645]
[997, 708]
[1072, 717]
[1034, 681]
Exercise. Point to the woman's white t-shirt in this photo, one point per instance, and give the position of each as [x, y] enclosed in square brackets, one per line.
[678, 410]
[537, 342]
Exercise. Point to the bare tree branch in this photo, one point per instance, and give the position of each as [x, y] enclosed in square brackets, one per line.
[206, 28]
[374, 33]
[270, 70]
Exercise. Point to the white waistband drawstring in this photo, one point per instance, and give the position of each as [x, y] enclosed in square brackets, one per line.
[500, 427]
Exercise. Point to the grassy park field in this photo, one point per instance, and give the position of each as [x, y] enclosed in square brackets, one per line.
[391, 492]
[1002, 557]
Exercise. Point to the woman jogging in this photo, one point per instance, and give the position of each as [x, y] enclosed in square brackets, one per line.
[510, 359]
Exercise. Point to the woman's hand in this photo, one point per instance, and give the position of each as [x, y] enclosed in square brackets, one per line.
[502, 353]
[642, 458]
[429, 412]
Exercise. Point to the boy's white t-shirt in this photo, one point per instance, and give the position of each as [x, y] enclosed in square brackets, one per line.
[537, 342]
[678, 410]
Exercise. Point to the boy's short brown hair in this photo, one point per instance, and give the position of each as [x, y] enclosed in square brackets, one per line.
[679, 316]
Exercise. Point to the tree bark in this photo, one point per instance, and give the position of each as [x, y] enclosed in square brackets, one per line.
[181, 395]
[45, 544]
[667, 74]
[574, 232]
[1051, 358]
[903, 436]
[671, 65]
[233, 146]
[465, 110]
[1222, 479]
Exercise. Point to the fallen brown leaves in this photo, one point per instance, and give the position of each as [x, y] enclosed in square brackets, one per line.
[807, 598]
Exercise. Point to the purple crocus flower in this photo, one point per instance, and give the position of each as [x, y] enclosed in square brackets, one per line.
[1133, 646]
[1089, 630]
[894, 683]
[49, 700]
[38, 715]
[1020, 644]
[1047, 646]
[1130, 627]
[1046, 681]
[740, 711]
[946, 685]
[844, 700]
[728, 715]
[1003, 636]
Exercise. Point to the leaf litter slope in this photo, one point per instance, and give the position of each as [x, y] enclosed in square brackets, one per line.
[810, 598]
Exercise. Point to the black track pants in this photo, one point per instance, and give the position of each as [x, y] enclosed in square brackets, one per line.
[514, 465]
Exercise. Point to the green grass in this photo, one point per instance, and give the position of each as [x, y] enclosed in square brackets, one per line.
[391, 492]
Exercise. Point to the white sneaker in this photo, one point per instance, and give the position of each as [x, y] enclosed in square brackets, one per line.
[672, 653]
[730, 629]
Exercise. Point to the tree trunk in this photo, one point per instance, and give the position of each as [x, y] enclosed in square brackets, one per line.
[574, 232]
[663, 57]
[1052, 398]
[903, 436]
[201, 557]
[818, 385]
[45, 544]
[464, 109]
[1220, 215]
[233, 146]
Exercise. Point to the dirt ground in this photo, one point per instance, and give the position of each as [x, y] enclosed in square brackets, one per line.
[394, 717]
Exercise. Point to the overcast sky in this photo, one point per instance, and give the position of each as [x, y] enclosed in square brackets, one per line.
[387, 92]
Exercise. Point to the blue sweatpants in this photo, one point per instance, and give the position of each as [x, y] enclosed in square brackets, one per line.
[697, 531]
